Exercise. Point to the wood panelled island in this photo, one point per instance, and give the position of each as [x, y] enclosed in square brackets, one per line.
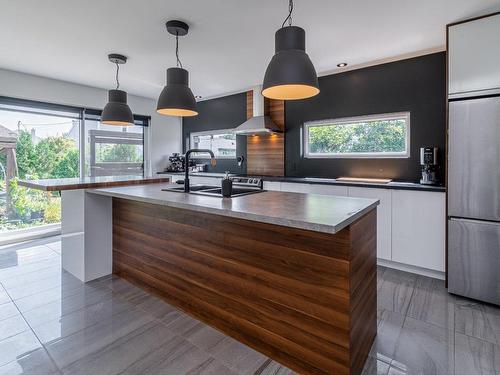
[290, 275]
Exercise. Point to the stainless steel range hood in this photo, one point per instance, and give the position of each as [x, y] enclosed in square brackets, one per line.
[258, 124]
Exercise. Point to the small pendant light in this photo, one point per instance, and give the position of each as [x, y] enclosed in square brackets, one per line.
[117, 112]
[177, 99]
[290, 75]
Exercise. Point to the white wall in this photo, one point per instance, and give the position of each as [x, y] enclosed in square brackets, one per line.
[165, 132]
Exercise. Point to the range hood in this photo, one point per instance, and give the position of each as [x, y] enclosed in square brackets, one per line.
[259, 123]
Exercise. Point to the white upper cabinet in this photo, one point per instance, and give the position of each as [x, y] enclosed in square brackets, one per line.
[474, 57]
[383, 217]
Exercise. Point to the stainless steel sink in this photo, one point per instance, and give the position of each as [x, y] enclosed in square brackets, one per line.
[214, 191]
[193, 188]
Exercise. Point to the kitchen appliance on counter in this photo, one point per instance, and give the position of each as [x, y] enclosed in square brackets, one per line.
[429, 164]
[474, 198]
[176, 161]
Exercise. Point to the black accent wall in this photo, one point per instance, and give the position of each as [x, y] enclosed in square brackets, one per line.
[416, 85]
[220, 113]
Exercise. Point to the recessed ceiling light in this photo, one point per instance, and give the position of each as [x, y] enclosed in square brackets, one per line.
[342, 65]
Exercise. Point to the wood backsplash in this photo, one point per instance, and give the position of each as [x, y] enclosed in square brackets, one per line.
[266, 153]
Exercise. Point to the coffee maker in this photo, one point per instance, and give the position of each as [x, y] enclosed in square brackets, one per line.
[429, 165]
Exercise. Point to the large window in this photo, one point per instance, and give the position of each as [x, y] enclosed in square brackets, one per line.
[221, 142]
[377, 136]
[44, 141]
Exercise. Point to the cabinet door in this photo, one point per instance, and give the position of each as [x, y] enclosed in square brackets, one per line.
[474, 57]
[384, 250]
[314, 189]
[272, 185]
[418, 228]
[199, 180]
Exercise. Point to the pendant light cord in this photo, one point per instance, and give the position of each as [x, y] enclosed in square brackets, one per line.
[117, 71]
[289, 17]
[179, 63]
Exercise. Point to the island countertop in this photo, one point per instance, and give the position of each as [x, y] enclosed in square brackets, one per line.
[60, 184]
[320, 213]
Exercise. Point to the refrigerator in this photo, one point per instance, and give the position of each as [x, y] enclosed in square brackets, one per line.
[474, 198]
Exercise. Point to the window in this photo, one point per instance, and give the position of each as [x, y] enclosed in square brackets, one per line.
[113, 150]
[221, 142]
[37, 140]
[41, 140]
[377, 136]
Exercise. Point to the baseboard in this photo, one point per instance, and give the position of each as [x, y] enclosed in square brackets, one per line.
[412, 269]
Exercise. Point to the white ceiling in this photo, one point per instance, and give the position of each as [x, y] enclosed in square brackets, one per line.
[229, 44]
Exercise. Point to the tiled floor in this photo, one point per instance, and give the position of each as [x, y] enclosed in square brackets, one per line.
[50, 323]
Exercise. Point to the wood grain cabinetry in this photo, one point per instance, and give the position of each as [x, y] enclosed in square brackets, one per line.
[304, 298]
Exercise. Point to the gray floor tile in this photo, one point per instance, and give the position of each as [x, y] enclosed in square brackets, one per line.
[432, 303]
[76, 321]
[4, 297]
[17, 346]
[15, 271]
[31, 277]
[63, 280]
[140, 346]
[19, 258]
[478, 320]
[238, 357]
[375, 367]
[36, 362]
[8, 310]
[96, 338]
[124, 288]
[57, 309]
[155, 307]
[395, 290]
[390, 325]
[56, 294]
[476, 357]
[424, 348]
[12, 326]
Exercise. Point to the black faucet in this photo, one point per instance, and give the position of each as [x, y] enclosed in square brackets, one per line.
[186, 164]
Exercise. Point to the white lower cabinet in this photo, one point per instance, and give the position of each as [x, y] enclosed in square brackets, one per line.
[384, 233]
[418, 228]
[272, 185]
[314, 189]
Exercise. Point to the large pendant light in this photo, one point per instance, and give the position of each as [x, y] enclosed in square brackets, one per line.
[117, 112]
[177, 99]
[290, 75]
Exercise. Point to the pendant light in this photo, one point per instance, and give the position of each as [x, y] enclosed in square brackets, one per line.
[177, 99]
[290, 75]
[117, 112]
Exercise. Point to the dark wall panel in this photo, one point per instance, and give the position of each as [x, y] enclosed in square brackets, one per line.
[416, 85]
[221, 113]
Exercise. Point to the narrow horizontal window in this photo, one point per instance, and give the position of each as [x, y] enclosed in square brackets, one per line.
[376, 136]
[221, 142]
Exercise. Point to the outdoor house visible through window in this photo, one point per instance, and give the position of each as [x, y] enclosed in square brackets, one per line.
[221, 142]
[375, 136]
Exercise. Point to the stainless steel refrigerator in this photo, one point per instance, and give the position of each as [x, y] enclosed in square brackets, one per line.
[474, 198]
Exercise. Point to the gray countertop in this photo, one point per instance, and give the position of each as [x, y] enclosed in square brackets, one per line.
[59, 184]
[320, 213]
[399, 185]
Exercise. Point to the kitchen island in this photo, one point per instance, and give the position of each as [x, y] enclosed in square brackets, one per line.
[291, 275]
[86, 221]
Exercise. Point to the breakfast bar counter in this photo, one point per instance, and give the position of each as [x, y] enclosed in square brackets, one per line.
[290, 275]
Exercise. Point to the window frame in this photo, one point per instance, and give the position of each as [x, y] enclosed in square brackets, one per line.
[357, 155]
[212, 132]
